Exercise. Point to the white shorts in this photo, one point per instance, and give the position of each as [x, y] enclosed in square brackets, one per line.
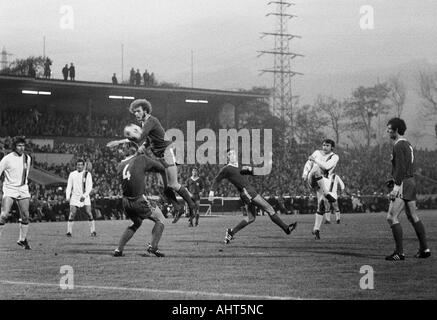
[75, 201]
[21, 192]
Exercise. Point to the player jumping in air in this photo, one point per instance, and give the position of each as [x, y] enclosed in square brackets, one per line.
[132, 172]
[238, 177]
[16, 166]
[333, 182]
[403, 195]
[153, 135]
[77, 193]
[195, 187]
[316, 171]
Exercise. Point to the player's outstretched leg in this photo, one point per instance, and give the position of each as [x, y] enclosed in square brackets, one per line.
[251, 214]
[259, 202]
[6, 206]
[424, 251]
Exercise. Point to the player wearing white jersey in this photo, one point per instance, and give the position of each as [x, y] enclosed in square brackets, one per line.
[333, 182]
[16, 168]
[318, 167]
[78, 191]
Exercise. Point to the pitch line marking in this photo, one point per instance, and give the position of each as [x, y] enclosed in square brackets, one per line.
[225, 295]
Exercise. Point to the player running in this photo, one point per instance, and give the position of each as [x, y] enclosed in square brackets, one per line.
[238, 177]
[195, 187]
[316, 171]
[333, 182]
[132, 171]
[153, 135]
[16, 166]
[403, 195]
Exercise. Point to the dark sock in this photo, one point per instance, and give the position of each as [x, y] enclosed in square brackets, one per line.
[420, 232]
[183, 192]
[156, 234]
[397, 235]
[275, 218]
[125, 237]
[238, 227]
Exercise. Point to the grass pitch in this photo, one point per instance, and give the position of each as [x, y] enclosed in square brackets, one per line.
[261, 263]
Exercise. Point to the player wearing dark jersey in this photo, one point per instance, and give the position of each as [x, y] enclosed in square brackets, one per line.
[132, 171]
[238, 177]
[153, 136]
[195, 187]
[403, 195]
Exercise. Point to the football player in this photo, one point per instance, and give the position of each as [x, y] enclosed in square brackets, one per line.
[153, 136]
[238, 177]
[131, 171]
[316, 171]
[403, 194]
[195, 187]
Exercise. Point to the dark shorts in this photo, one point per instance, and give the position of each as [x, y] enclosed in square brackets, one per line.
[166, 157]
[248, 194]
[196, 197]
[408, 189]
[137, 208]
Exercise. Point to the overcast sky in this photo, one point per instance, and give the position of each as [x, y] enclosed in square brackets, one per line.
[223, 34]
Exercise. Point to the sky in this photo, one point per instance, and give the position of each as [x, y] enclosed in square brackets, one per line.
[223, 38]
[159, 35]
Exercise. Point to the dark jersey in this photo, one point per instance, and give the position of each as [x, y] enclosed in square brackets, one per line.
[234, 176]
[132, 172]
[195, 186]
[402, 161]
[154, 132]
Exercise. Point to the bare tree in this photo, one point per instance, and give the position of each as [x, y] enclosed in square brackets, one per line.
[309, 124]
[334, 110]
[397, 94]
[365, 106]
[428, 92]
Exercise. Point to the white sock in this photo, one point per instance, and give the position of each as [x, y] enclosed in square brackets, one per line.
[318, 221]
[70, 226]
[328, 216]
[23, 231]
[337, 215]
[92, 226]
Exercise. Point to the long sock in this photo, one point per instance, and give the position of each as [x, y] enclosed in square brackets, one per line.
[23, 231]
[318, 221]
[337, 215]
[1, 229]
[328, 216]
[275, 218]
[125, 237]
[92, 226]
[70, 226]
[197, 218]
[397, 235]
[238, 227]
[156, 234]
[183, 192]
[420, 232]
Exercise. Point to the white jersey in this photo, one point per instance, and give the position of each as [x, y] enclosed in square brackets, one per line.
[325, 162]
[16, 169]
[79, 186]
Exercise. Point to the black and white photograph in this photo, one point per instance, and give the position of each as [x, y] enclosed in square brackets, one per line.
[218, 156]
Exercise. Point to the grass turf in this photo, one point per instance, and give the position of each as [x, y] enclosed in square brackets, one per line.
[262, 262]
